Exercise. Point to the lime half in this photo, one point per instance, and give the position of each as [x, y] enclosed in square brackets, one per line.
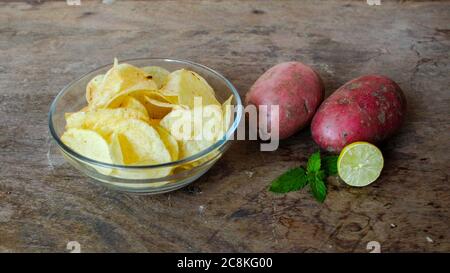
[360, 164]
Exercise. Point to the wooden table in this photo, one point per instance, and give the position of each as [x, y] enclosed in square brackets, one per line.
[45, 203]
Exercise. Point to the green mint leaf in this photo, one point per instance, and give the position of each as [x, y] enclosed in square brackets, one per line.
[321, 175]
[313, 163]
[318, 187]
[292, 180]
[311, 177]
[330, 165]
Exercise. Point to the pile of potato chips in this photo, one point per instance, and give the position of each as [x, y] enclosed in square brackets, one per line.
[146, 116]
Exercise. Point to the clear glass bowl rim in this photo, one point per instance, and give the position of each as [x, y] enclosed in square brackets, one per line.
[216, 145]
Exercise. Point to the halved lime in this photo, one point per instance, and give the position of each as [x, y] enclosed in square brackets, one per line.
[360, 164]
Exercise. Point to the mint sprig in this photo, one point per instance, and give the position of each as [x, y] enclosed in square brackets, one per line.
[292, 180]
[318, 187]
[313, 163]
[317, 170]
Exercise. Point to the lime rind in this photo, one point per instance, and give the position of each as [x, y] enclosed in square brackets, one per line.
[360, 164]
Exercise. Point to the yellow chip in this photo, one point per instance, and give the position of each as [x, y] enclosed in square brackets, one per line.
[156, 105]
[93, 86]
[118, 142]
[102, 120]
[169, 141]
[206, 131]
[158, 109]
[192, 147]
[89, 144]
[68, 114]
[116, 150]
[119, 78]
[178, 123]
[159, 103]
[84, 109]
[170, 98]
[155, 95]
[187, 85]
[158, 74]
[140, 142]
[137, 91]
[212, 123]
[199, 123]
[132, 103]
[154, 121]
[182, 168]
[195, 129]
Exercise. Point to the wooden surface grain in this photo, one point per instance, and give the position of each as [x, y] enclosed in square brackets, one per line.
[45, 203]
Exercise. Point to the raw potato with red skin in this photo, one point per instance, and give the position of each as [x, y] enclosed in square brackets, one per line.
[369, 108]
[296, 88]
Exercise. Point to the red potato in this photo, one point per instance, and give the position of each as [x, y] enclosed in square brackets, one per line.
[369, 108]
[296, 88]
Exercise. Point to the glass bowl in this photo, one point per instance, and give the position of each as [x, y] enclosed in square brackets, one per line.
[72, 99]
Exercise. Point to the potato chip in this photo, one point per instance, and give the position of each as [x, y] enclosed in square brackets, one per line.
[206, 131]
[137, 91]
[84, 109]
[182, 168]
[89, 144]
[178, 123]
[68, 114]
[116, 150]
[118, 158]
[212, 155]
[119, 78]
[199, 123]
[170, 98]
[156, 105]
[192, 147]
[169, 141]
[154, 121]
[140, 143]
[158, 109]
[156, 95]
[132, 103]
[102, 120]
[161, 99]
[158, 74]
[212, 123]
[160, 103]
[187, 85]
[195, 131]
[93, 86]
